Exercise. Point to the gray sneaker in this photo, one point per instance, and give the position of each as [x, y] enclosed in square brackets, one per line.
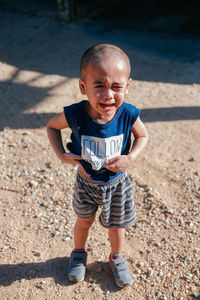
[121, 271]
[77, 266]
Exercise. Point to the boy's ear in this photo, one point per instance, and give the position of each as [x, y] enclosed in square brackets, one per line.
[129, 81]
[82, 86]
[127, 86]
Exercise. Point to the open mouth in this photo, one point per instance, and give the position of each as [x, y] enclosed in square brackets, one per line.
[107, 105]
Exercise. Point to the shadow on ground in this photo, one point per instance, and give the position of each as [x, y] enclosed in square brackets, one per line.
[56, 268]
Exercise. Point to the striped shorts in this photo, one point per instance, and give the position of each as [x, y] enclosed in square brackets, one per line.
[115, 198]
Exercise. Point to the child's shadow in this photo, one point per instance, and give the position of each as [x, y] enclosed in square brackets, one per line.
[56, 268]
[98, 273]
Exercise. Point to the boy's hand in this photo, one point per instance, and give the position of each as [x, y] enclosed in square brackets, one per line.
[118, 163]
[70, 158]
[122, 162]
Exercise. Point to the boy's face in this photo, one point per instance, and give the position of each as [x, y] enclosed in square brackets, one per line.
[105, 83]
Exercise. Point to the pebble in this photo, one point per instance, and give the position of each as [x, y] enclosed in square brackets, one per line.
[41, 287]
[197, 294]
[150, 273]
[33, 183]
[175, 294]
[143, 277]
[55, 233]
[91, 279]
[95, 254]
[66, 238]
[158, 294]
[149, 250]
[157, 244]
[175, 287]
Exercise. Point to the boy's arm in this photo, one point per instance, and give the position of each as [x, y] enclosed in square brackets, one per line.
[54, 127]
[141, 137]
[122, 162]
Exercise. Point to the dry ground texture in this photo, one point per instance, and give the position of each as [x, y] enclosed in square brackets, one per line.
[39, 70]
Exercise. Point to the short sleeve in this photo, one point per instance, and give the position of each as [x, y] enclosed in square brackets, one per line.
[131, 114]
[68, 111]
[73, 114]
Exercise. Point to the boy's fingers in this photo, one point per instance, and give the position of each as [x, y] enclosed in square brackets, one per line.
[78, 158]
[111, 161]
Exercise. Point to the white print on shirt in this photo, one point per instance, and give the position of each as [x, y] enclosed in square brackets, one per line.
[97, 150]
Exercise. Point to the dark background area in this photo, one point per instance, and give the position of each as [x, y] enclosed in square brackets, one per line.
[162, 16]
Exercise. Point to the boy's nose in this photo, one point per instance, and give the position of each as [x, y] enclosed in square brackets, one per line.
[108, 95]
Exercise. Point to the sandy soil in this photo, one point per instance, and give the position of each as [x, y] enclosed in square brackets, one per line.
[39, 70]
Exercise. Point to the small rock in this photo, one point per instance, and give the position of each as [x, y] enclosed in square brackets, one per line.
[91, 280]
[96, 255]
[66, 238]
[190, 275]
[35, 253]
[175, 294]
[143, 278]
[141, 251]
[33, 183]
[149, 250]
[158, 294]
[41, 287]
[154, 264]
[157, 244]
[196, 294]
[131, 260]
[191, 158]
[55, 233]
[150, 273]
[175, 287]
[195, 250]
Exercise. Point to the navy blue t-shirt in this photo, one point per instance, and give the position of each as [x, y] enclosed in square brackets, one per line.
[97, 142]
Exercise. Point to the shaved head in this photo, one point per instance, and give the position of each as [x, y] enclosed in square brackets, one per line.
[100, 52]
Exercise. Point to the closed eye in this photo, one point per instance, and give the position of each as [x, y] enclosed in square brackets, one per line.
[115, 87]
[99, 86]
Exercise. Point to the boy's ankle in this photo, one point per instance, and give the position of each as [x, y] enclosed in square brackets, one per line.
[80, 250]
[115, 255]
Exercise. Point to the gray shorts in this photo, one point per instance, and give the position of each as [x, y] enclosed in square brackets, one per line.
[115, 198]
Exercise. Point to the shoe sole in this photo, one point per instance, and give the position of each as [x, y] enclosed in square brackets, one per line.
[72, 279]
[124, 285]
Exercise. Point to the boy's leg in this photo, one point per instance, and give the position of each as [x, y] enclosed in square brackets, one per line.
[118, 262]
[81, 230]
[77, 263]
[117, 240]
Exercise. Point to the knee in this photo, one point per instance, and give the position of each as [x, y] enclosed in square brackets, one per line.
[85, 222]
[116, 230]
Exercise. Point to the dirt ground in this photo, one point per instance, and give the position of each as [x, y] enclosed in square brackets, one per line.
[39, 70]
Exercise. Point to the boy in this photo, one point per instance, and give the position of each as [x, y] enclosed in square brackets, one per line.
[101, 146]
